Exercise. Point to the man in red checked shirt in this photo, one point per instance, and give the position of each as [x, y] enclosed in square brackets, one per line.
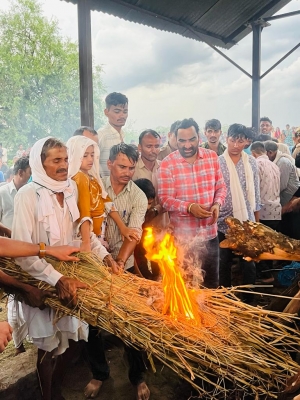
[192, 189]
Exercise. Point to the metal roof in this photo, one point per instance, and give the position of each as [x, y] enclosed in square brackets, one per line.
[218, 22]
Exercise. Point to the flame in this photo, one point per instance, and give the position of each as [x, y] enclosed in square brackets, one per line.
[178, 302]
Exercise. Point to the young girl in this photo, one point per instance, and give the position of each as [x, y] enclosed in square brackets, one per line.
[93, 201]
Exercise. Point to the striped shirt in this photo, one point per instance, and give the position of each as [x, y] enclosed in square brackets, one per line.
[108, 137]
[181, 183]
[132, 205]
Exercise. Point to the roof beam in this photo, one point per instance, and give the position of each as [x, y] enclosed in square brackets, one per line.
[290, 14]
[254, 18]
[279, 61]
[170, 20]
[219, 52]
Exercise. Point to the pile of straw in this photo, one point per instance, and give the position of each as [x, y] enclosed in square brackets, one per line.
[237, 347]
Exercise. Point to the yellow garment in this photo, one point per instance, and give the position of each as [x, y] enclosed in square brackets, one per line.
[90, 202]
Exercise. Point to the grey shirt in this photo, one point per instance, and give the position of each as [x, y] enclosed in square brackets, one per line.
[289, 182]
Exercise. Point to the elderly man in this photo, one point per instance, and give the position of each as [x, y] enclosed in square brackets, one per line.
[213, 133]
[191, 188]
[45, 212]
[172, 143]
[116, 111]
[242, 200]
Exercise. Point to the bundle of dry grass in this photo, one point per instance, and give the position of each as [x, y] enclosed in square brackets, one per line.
[237, 347]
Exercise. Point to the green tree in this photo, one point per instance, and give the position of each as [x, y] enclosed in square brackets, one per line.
[39, 78]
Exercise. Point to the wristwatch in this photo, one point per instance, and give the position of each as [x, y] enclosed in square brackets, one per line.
[155, 210]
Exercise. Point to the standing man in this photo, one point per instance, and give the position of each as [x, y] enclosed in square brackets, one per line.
[269, 182]
[289, 185]
[116, 112]
[3, 154]
[22, 173]
[266, 126]
[147, 165]
[191, 188]
[213, 133]
[132, 205]
[242, 200]
[172, 143]
[88, 132]
[45, 212]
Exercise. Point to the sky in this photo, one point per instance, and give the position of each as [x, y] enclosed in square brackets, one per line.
[167, 77]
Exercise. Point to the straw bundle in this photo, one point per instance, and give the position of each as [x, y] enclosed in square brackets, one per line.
[235, 342]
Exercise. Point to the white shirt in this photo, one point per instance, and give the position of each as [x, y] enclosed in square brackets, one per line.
[108, 137]
[26, 227]
[269, 177]
[7, 195]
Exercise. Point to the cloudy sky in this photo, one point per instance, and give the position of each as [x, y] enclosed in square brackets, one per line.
[167, 77]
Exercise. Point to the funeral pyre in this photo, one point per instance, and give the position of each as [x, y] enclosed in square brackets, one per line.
[208, 337]
[256, 241]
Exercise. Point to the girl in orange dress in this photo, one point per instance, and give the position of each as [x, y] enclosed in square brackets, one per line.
[93, 201]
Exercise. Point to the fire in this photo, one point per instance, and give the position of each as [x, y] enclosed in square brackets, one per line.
[178, 302]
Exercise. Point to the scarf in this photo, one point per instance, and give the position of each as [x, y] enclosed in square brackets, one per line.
[280, 154]
[77, 146]
[238, 201]
[46, 212]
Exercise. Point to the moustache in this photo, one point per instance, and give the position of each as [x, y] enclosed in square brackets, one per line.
[62, 170]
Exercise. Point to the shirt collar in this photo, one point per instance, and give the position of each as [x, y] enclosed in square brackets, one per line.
[11, 186]
[128, 187]
[113, 130]
[140, 164]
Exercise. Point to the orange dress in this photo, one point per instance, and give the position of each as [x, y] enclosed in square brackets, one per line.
[90, 202]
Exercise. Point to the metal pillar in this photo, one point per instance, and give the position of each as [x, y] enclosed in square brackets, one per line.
[256, 65]
[85, 63]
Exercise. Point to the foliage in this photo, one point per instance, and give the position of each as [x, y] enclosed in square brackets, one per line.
[39, 78]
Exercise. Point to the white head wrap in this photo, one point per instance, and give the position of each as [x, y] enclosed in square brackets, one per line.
[46, 212]
[77, 146]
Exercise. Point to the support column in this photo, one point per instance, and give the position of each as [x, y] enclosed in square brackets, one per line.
[256, 66]
[85, 63]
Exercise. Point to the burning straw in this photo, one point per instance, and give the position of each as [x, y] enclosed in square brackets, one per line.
[233, 341]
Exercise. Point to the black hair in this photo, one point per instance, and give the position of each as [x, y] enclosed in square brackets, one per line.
[258, 147]
[123, 148]
[114, 99]
[147, 187]
[214, 124]
[150, 132]
[22, 163]
[174, 126]
[239, 131]
[187, 123]
[274, 140]
[79, 131]
[266, 119]
[51, 144]
[270, 145]
[263, 137]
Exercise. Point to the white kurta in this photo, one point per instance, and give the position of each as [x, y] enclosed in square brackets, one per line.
[47, 333]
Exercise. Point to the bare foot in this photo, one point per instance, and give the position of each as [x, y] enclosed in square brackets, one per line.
[92, 389]
[20, 349]
[142, 391]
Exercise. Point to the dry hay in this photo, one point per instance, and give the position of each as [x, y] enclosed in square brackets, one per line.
[237, 346]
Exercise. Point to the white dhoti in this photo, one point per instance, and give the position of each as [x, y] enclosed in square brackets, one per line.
[16, 320]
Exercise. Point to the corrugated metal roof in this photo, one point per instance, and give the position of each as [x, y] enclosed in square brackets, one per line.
[218, 22]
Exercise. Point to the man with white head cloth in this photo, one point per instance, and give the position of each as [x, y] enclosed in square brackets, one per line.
[45, 212]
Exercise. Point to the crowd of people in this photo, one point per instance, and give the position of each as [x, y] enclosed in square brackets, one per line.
[97, 194]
